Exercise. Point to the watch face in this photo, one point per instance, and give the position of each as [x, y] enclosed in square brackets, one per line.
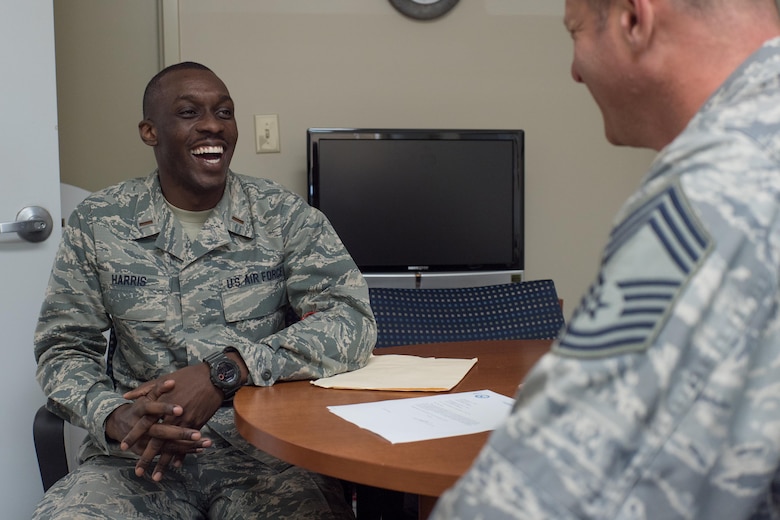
[227, 373]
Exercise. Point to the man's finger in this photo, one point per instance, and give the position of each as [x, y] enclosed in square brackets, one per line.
[140, 429]
[162, 465]
[152, 390]
[153, 448]
[172, 432]
[149, 413]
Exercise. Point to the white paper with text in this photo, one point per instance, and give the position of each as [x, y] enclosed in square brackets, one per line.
[432, 417]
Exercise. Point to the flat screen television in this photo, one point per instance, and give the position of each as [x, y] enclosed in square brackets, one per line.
[421, 201]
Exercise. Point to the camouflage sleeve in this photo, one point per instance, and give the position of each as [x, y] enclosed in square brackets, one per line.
[660, 399]
[69, 343]
[633, 436]
[325, 288]
[168, 313]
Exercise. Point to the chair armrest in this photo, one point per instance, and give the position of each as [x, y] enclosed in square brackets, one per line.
[49, 438]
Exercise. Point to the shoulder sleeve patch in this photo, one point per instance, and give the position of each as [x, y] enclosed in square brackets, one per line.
[648, 260]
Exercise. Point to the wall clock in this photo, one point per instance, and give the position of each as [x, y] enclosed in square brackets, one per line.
[424, 9]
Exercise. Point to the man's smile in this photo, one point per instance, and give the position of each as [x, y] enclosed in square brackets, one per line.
[209, 154]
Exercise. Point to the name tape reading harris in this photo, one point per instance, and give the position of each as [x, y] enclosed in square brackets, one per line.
[252, 278]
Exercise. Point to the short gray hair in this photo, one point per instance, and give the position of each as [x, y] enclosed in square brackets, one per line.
[601, 7]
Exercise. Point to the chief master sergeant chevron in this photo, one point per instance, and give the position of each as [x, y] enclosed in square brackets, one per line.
[662, 398]
[192, 262]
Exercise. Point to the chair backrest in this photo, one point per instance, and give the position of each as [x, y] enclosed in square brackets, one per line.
[520, 310]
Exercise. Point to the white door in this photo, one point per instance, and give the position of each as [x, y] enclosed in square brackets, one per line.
[29, 176]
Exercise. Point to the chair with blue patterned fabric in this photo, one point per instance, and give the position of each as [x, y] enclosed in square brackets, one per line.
[520, 310]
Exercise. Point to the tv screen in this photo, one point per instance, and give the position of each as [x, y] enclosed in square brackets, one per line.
[421, 200]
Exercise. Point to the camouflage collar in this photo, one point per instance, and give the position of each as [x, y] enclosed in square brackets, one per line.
[233, 210]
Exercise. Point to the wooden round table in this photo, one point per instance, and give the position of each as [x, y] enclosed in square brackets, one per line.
[290, 420]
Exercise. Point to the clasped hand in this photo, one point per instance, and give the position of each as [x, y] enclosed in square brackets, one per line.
[165, 418]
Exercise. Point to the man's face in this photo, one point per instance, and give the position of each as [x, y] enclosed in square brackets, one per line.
[192, 128]
[600, 63]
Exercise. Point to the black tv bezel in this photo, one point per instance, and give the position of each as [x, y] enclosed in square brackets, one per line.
[517, 136]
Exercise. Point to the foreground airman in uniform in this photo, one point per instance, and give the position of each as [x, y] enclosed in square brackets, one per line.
[661, 398]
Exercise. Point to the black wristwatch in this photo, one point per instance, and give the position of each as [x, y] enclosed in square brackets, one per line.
[224, 372]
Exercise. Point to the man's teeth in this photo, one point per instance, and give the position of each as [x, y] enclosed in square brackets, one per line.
[214, 150]
[207, 149]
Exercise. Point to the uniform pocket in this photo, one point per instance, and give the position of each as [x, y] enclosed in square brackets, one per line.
[137, 297]
[251, 302]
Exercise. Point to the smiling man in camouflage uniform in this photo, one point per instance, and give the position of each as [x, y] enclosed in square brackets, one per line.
[662, 398]
[192, 262]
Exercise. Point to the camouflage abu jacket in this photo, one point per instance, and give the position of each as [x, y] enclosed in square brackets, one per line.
[662, 398]
[126, 262]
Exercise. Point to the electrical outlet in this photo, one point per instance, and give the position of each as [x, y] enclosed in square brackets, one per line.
[267, 133]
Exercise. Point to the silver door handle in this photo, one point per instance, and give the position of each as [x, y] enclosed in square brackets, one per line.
[33, 224]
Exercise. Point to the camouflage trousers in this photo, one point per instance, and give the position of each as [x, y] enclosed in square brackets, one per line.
[223, 483]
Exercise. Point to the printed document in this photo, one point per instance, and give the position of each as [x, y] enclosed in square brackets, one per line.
[432, 417]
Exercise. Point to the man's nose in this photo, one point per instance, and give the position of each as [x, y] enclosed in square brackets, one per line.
[210, 122]
[575, 75]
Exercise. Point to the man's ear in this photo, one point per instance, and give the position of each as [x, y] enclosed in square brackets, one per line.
[637, 21]
[148, 132]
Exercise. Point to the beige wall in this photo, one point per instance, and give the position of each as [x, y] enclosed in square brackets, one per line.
[106, 51]
[359, 63]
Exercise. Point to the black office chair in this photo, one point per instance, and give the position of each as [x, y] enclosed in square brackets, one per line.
[49, 434]
[521, 310]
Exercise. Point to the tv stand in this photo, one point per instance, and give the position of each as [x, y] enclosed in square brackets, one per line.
[439, 280]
